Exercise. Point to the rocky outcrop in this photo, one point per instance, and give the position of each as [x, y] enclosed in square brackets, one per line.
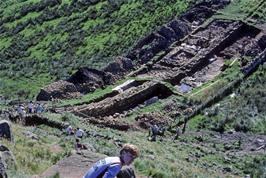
[7, 160]
[87, 79]
[147, 119]
[2, 169]
[111, 122]
[119, 66]
[60, 89]
[262, 42]
[203, 10]
[146, 48]
[5, 130]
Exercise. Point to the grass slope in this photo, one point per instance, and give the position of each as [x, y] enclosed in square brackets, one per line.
[47, 40]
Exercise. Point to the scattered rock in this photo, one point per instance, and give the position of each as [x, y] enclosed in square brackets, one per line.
[145, 120]
[226, 159]
[2, 169]
[7, 159]
[5, 130]
[119, 66]
[259, 142]
[151, 101]
[227, 169]
[152, 157]
[227, 147]
[262, 42]
[31, 135]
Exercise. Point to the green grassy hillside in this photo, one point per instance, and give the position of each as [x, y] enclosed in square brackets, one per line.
[41, 41]
[45, 40]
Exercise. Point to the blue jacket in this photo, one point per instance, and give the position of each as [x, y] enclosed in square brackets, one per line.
[105, 168]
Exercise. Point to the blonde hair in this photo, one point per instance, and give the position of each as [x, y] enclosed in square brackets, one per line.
[131, 149]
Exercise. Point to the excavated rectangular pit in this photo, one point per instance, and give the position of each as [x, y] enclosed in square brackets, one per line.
[193, 49]
[174, 31]
[229, 48]
[207, 47]
[228, 37]
[125, 101]
[127, 85]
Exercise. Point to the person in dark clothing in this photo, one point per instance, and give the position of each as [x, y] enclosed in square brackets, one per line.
[153, 132]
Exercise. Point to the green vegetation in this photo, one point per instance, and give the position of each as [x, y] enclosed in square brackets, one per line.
[245, 10]
[56, 40]
[36, 155]
[242, 111]
[41, 43]
[210, 88]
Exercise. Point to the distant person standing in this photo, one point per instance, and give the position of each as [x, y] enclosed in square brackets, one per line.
[39, 108]
[79, 133]
[79, 146]
[21, 112]
[69, 130]
[177, 133]
[30, 107]
[153, 132]
[109, 167]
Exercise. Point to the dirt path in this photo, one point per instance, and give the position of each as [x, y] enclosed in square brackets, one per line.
[74, 166]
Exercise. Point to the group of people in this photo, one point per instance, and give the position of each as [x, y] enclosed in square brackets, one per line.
[79, 134]
[108, 167]
[31, 108]
[155, 131]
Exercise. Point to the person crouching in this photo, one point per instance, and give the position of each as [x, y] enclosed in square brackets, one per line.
[110, 166]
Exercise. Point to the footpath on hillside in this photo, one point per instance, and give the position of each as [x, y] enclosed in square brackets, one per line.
[73, 166]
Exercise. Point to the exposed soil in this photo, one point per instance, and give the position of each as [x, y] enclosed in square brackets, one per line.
[144, 121]
[73, 166]
[124, 101]
[234, 143]
[111, 122]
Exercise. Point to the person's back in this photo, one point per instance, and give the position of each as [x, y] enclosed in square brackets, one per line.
[155, 129]
[110, 166]
[79, 133]
[20, 109]
[153, 132]
[39, 108]
[99, 169]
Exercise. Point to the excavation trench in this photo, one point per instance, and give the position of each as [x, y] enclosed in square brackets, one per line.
[126, 100]
[35, 119]
[121, 88]
[206, 56]
[215, 64]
